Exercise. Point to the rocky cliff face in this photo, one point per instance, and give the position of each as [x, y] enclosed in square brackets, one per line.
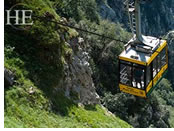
[113, 10]
[170, 40]
[78, 82]
[157, 15]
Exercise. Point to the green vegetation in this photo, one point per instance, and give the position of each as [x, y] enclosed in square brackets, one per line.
[170, 39]
[26, 110]
[36, 57]
[104, 52]
[171, 118]
[156, 111]
[78, 9]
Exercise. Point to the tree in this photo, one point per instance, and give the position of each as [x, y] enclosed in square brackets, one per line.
[78, 9]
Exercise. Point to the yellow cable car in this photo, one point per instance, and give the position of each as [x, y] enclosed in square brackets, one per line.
[141, 71]
[143, 62]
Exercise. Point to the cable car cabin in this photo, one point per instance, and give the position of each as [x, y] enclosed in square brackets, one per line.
[141, 67]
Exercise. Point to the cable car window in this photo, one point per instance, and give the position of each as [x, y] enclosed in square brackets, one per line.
[159, 63]
[163, 57]
[138, 77]
[148, 75]
[125, 74]
[155, 67]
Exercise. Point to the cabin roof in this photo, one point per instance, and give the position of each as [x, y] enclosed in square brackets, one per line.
[142, 56]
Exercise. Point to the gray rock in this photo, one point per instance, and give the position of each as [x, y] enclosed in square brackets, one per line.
[9, 77]
[78, 82]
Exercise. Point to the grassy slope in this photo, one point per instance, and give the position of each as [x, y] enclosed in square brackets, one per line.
[43, 108]
[25, 116]
[33, 110]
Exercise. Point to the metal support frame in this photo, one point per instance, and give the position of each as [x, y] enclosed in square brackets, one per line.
[135, 21]
[138, 20]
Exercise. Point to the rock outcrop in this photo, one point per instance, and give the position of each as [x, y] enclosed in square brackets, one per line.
[113, 10]
[78, 82]
[8, 77]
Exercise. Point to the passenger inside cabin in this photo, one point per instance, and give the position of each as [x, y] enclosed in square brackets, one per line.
[138, 75]
[129, 75]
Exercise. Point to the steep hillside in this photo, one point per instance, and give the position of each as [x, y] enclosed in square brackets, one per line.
[28, 105]
[52, 84]
[57, 76]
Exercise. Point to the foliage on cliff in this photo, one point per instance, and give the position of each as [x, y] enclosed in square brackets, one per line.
[36, 57]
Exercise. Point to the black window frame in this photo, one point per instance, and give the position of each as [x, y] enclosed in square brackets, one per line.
[150, 73]
[166, 56]
[159, 56]
[165, 51]
[126, 63]
[133, 65]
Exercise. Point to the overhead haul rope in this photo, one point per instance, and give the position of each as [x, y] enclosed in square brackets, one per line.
[80, 29]
[83, 30]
